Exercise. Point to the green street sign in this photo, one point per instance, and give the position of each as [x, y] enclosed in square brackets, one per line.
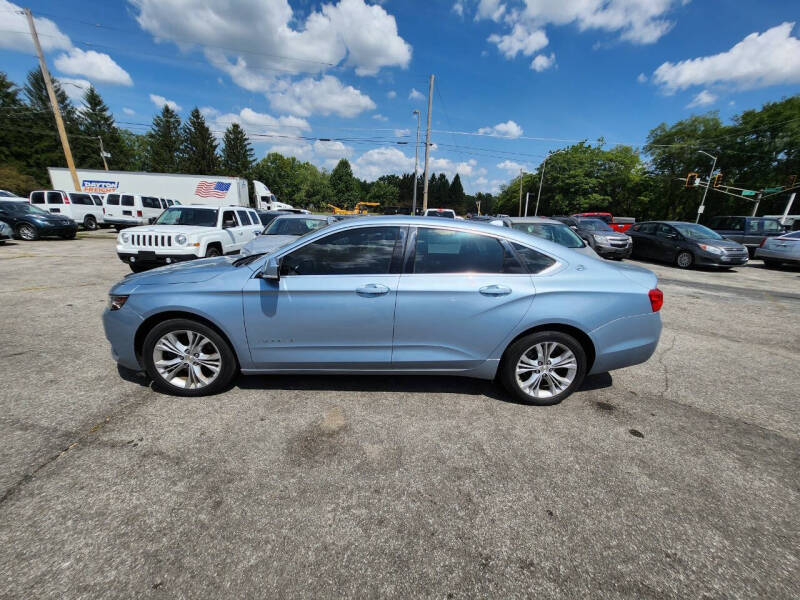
[748, 193]
[772, 190]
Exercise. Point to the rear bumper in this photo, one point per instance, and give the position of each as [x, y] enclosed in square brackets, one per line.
[625, 342]
[776, 256]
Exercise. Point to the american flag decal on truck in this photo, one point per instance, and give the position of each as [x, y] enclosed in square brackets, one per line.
[212, 189]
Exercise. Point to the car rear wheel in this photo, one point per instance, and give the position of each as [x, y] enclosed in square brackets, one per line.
[543, 368]
[188, 358]
[684, 259]
[770, 263]
[89, 223]
[27, 232]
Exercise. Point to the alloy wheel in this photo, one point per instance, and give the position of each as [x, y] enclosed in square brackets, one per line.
[187, 359]
[684, 260]
[546, 369]
[27, 232]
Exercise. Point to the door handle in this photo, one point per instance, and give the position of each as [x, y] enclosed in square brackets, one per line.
[372, 289]
[495, 290]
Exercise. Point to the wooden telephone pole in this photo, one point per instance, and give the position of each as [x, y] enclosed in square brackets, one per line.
[427, 148]
[62, 132]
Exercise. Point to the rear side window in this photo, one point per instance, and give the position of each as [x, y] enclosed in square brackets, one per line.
[81, 199]
[243, 217]
[648, 228]
[127, 200]
[37, 198]
[150, 202]
[98, 201]
[447, 251]
[736, 224]
[112, 199]
[254, 218]
[535, 261]
[54, 198]
[771, 226]
[363, 251]
[753, 226]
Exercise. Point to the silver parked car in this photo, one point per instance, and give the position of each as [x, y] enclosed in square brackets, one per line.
[284, 229]
[784, 249]
[548, 229]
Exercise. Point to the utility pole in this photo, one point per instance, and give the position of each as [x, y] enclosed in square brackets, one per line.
[520, 191]
[527, 197]
[416, 167]
[427, 147]
[702, 206]
[103, 153]
[758, 201]
[541, 179]
[62, 132]
[788, 208]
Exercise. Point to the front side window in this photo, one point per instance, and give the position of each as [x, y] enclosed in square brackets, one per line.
[665, 231]
[229, 219]
[54, 198]
[293, 226]
[201, 217]
[736, 223]
[81, 199]
[243, 217]
[448, 251]
[362, 251]
[771, 226]
[555, 232]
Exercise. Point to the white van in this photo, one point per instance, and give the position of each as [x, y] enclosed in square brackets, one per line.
[78, 206]
[130, 210]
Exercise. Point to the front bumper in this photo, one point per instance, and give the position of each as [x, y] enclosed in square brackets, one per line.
[120, 327]
[613, 251]
[52, 229]
[145, 257]
[713, 260]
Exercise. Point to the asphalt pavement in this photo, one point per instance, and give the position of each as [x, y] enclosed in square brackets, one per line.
[677, 478]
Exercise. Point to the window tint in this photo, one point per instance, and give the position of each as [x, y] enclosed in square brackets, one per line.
[253, 218]
[664, 231]
[447, 251]
[112, 199]
[54, 198]
[229, 215]
[243, 217]
[127, 200]
[37, 198]
[169, 202]
[150, 202]
[648, 228]
[367, 250]
[536, 262]
[81, 199]
[98, 201]
[771, 226]
[736, 223]
[753, 226]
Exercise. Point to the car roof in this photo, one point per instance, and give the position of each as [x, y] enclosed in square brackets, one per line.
[300, 216]
[532, 220]
[207, 207]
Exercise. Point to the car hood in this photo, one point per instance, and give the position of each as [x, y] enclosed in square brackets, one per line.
[267, 243]
[727, 244]
[50, 218]
[169, 229]
[183, 272]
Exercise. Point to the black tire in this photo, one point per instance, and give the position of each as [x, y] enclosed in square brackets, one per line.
[138, 267]
[228, 364]
[27, 232]
[684, 259]
[89, 223]
[508, 368]
[213, 251]
[770, 263]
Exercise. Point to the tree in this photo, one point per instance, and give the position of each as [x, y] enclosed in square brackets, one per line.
[458, 199]
[96, 122]
[199, 153]
[345, 187]
[12, 130]
[383, 193]
[237, 153]
[18, 183]
[137, 150]
[165, 142]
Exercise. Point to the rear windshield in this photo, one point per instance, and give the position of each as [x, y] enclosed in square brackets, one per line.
[447, 214]
[186, 215]
[558, 233]
[293, 226]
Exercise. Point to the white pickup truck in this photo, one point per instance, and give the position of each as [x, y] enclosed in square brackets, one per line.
[188, 232]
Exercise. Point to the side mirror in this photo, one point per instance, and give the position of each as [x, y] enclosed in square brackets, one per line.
[272, 270]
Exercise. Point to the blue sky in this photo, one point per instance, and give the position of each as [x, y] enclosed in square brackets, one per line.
[509, 72]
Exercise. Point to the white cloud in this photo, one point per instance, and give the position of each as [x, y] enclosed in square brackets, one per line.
[490, 9]
[128, 111]
[508, 129]
[642, 78]
[323, 96]
[381, 161]
[299, 149]
[259, 126]
[75, 89]
[759, 60]
[391, 94]
[458, 7]
[415, 94]
[520, 40]
[380, 117]
[332, 150]
[12, 20]
[543, 62]
[160, 102]
[402, 132]
[100, 67]
[704, 98]
[511, 166]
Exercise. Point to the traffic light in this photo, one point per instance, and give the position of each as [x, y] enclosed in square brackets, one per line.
[717, 179]
[692, 180]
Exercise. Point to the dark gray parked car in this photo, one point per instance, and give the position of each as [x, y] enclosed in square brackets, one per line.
[749, 231]
[685, 244]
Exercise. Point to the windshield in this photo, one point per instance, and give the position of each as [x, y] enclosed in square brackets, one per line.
[447, 214]
[22, 208]
[185, 215]
[555, 232]
[696, 232]
[594, 225]
[284, 226]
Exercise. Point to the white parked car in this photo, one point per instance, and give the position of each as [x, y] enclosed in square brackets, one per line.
[188, 232]
[129, 210]
[78, 206]
[447, 213]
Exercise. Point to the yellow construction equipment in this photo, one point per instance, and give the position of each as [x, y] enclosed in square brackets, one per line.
[360, 209]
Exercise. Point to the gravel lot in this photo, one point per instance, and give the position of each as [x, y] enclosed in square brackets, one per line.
[677, 478]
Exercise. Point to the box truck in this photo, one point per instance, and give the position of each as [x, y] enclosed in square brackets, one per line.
[214, 190]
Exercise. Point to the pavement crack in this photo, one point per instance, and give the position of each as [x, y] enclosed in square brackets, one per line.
[665, 367]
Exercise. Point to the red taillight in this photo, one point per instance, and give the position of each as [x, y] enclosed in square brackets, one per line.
[656, 299]
[104, 210]
[66, 199]
[138, 213]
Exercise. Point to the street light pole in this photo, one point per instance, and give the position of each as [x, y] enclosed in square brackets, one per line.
[416, 166]
[708, 184]
[521, 172]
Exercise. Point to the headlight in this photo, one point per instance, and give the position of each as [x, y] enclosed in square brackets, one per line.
[600, 239]
[180, 239]
[116, 302]
[711, 249]
[124, 237]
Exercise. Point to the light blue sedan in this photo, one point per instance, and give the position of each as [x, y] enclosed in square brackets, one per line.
[390, 295]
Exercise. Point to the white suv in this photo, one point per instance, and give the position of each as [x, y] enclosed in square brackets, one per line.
[188, 232]
[78, 206]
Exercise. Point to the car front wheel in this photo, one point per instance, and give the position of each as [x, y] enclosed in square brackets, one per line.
[188, 358]
[543, 368]
[27, 232]
[684, 259]
[90, 223]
